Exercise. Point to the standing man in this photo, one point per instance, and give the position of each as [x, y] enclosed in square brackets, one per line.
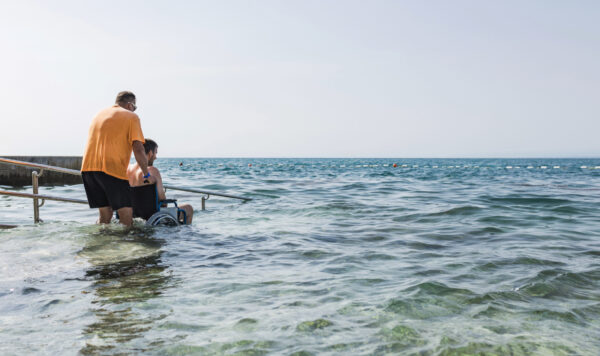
[114, 133]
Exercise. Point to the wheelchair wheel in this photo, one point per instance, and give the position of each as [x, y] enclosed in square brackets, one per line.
[162, 219]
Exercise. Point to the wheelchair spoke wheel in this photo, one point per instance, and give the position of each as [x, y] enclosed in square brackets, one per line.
[162, 219]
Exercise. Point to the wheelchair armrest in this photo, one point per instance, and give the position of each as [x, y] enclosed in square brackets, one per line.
[167, 201]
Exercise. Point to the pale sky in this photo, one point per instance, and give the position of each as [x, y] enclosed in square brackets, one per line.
[307, 78]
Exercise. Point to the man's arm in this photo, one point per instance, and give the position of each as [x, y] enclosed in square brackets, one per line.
[142, 160]
[159, 184]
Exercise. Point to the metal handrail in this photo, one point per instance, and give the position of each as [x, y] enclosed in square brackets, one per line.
[40, 166]
[42, 197]
[77, 173]
[207, 192]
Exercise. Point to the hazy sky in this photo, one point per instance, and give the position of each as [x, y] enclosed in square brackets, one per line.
[307, 78]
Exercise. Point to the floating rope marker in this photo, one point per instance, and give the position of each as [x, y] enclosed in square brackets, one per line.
[415, 166]
[583, 167]
[385, 165]
[544, 167]
[529, 167]
[395, 165]
[556, 167]
[249, 164]
[431, 167]
[597, 167]
[508, 167]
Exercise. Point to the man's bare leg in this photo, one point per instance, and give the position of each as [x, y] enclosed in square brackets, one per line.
[125, 216]
[105, 215]
[189, 212]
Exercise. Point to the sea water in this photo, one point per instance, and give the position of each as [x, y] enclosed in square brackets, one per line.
[331, 257]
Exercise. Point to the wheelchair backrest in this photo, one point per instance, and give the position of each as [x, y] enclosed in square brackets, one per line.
[144, 201]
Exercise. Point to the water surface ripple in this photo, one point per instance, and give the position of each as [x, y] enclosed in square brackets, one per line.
[333, 256]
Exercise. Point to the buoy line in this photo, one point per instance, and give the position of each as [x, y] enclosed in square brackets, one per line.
[400, 166]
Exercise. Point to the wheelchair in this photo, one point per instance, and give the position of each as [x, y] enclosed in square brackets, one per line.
[145, 203]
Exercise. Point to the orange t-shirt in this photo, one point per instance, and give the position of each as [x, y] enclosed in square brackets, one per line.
[110, 141]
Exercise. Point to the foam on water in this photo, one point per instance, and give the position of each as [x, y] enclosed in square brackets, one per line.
[331, 257]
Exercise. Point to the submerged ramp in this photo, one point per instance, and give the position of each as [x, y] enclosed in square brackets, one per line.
[17, 176]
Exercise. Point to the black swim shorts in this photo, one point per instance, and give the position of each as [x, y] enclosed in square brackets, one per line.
[104, 190]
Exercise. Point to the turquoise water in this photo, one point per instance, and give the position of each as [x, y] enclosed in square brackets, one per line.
[332, 257]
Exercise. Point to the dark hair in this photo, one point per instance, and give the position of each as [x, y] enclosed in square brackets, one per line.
[150, 146]
[124, 97]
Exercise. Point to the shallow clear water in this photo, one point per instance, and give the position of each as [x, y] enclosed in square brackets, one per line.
[333, 256]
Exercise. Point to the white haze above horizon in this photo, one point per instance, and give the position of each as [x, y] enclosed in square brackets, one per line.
[307, 78]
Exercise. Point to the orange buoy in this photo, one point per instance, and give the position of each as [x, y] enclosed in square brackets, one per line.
[249, 164]
[395, 165]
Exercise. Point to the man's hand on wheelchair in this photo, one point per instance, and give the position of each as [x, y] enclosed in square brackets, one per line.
[150, 179]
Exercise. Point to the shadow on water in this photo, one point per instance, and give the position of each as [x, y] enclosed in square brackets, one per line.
[127, 273]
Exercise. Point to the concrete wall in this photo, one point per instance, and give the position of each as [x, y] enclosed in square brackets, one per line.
[18, 176]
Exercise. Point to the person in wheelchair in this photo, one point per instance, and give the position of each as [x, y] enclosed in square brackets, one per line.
[149, 200]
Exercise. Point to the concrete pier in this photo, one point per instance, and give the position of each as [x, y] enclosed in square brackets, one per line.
[18, 176]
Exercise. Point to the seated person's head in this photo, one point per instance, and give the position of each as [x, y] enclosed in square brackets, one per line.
[151, 149]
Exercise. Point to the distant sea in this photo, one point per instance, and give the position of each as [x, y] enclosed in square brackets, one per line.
[331, 257]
